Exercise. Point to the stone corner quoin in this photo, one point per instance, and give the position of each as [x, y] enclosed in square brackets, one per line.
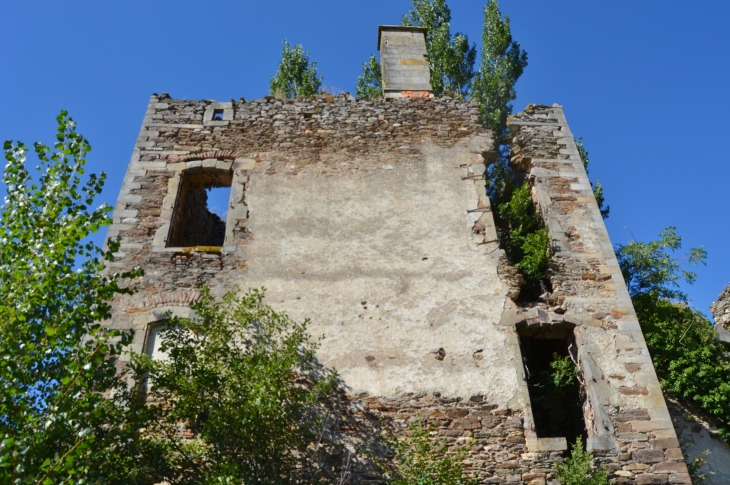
[370, 217]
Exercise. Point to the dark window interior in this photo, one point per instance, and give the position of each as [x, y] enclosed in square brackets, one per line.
[557, 411]
[217, 115]
[196, 221]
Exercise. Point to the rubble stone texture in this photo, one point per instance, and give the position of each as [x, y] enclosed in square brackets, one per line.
[371, 219]
[721, 308]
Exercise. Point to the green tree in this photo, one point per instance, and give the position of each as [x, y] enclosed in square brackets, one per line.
[649, 268]
[577, 469]
[422, 460]
[597, 187]
[370, 84]
[58, 423]
[245, 380]
[691, 364]
[501, 65]
[296, 76]
[451, 59]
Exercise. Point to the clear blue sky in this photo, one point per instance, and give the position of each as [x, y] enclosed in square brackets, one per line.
[645, 83]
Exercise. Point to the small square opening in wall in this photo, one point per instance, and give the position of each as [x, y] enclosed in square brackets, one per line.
[217, 115]
[553, 380]
[200, 212]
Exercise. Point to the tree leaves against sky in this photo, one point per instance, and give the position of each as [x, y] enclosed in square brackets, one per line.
[296, 75]
[502, 64]
[597, 187]
[56, 422]
[370, 84]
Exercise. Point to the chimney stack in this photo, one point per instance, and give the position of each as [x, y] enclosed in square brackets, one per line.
[404, 62]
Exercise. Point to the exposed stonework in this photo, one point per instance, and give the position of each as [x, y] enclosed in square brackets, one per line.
[371, 218]
[625, 412]
[721, 311]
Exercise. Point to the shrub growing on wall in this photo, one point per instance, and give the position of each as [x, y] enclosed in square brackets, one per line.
[244, 380]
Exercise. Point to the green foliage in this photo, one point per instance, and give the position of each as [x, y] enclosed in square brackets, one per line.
[56, 422]
[525, 243]
[695, 467]
[536, 255]
[370, 84]
[296, 76]
[597, 187]
[650, 268]
[502, 64]
[690, 362]
[451, 59]
[577, 469]
[564, 372]
[422, 460]
[245, 379]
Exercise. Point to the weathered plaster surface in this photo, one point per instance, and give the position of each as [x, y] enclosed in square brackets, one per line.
[388, 268]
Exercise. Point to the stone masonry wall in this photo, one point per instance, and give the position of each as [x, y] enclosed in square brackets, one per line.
[371, 218]
[721, 308]
[626, 414]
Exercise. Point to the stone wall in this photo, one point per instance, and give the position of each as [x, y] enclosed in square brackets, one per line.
[721, 311]
[626, 415]
[371, 218]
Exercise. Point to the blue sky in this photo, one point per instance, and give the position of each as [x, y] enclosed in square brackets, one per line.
[645, 84]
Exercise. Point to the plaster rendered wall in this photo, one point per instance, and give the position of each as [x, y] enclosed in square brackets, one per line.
[387, 266]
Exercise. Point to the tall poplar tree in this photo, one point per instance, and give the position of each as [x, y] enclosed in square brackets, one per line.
[451, 59]
[502, 64]
[296, 75]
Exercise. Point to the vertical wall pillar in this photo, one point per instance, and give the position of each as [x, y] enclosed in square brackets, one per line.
[626, 415]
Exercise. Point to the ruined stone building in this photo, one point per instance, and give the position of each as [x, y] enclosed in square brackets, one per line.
[370, 217]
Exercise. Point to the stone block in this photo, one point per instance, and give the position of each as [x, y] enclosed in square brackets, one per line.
[176, 166]
[670, 467]
[244, 164]
[535, 444]
[674, 454]
[651, 479]
[628, 325]
[582, 319]
[648, 456]
[223, 164]
[647, 426]
[601, 443]
[663, 444]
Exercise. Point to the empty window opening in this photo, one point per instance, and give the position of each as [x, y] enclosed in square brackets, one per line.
[549, 354]
[199, 216]
[154, 341]
[153, 348]
[217, 115]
